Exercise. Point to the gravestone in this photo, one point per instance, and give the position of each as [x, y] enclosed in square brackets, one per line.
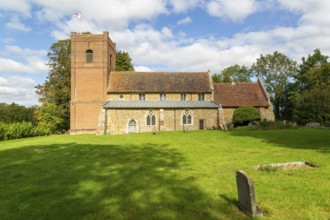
[246, 198]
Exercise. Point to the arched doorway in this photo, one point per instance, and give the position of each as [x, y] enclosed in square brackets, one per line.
[132, 126]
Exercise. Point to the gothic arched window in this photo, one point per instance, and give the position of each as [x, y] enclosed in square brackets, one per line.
[151, 118]
[186, 117]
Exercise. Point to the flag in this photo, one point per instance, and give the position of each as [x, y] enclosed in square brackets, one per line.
[77, 15]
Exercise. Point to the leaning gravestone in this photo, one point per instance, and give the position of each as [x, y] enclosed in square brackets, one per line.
[246, 198]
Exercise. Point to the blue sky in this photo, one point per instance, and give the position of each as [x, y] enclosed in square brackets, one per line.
[159, 35]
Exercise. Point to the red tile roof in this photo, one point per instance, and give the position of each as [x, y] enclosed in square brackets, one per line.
[240, 94]
[189, 82]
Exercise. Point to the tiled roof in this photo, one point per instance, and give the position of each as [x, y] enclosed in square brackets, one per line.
[160, 82]
[239, 94]
[121, 104]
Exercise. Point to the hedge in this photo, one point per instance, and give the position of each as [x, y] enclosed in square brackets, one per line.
[20, 130]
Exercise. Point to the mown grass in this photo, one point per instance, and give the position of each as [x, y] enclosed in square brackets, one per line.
[171, 175]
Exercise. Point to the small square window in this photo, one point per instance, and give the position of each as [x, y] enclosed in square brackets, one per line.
[142, 97]
[162, 97]
[183, 97]
[201, 97]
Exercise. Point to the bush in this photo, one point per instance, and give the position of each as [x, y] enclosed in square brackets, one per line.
[272, 125]
[313, 106]
[20, 130]
[245, 114]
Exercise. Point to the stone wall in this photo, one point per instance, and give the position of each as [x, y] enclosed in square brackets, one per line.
[166, 119]
[265, 112]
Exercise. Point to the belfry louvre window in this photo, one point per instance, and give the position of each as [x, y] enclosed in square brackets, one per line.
[89, 56]
[151, 118]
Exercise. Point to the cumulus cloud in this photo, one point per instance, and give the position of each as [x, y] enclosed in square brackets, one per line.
[19, 90]
[16, 24]
[186, 20]
[30, 61]
[234, 10]
[184, 5]
[21, 6]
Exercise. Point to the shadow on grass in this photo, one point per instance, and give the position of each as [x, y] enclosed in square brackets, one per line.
[77, 181]
[303, 138]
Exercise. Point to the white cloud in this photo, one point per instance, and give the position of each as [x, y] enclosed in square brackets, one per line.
[234, 10]
[141, 69]
[21, 6]
[186, 20]
[106, 13]
[16, 24]
[14, 59]
[19, 90]
[184, 5]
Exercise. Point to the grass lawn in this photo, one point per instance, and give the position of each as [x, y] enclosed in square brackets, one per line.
[171, 175]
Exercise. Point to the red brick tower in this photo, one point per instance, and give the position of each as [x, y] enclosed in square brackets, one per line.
[93, 57]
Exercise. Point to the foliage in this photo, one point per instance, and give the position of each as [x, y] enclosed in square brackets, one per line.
[216, 78]
[313, 106]
[245, 114]
[10, 113]
[49, 117]
[55, 92]
[235, 73]
[276, 70]
[123, 61]
[20, 130]
[316, 60]
[173, 175]
[318, 77]
[273, 125]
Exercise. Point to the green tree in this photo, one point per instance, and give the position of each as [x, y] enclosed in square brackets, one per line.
[55, 91]
[276, 70]
[216, 78]
[316, 60]
[245, 114]
[318, 77]
[313, 106]
[123, 61]
[10, 113]
[235, 73]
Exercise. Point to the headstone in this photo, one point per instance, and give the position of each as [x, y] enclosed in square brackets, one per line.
[246, 198]
[313, 124]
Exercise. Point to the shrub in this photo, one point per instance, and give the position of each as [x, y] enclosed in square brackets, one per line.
[245, 114]
[272, 125]
[20, 130]
[313, 106]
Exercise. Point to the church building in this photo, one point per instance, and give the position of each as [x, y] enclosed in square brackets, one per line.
[105, 101]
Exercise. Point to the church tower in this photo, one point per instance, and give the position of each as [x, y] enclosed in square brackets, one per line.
[93, 57]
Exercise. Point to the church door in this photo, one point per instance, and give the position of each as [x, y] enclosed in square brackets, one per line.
[132, 126]
[201, 124]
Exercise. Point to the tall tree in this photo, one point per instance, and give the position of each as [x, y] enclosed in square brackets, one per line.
[123, 61]
[316, 60]
[234, 73]
[55, 91]
[276, 70]
[10, 113]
